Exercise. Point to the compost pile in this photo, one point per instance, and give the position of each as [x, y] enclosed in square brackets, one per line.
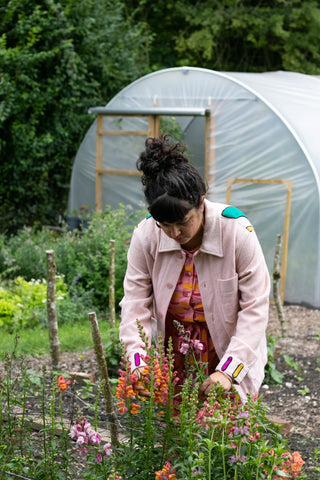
[294, 402]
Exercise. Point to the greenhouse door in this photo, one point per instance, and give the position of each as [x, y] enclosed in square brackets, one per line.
[132, 127]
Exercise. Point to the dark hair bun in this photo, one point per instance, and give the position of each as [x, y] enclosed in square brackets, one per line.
[159, 155]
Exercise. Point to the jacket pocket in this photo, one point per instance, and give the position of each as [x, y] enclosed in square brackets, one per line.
[228, 298]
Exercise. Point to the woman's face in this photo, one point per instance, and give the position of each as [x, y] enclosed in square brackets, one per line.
[188, 231]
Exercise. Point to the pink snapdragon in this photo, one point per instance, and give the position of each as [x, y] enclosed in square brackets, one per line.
[84, 434]
[107, 450]
[184, 348]
[82, 439]
[94, 437]
[197, 345]
[98, 458]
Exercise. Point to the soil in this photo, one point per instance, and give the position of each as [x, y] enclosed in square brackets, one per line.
[296, 399]
[294, 403]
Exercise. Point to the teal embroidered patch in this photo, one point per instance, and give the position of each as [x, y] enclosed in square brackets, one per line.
[232, 212]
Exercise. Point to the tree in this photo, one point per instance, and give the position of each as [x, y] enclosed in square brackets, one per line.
[56, 60]
[245, 35]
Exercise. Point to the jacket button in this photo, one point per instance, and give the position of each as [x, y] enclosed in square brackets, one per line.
[169, 285]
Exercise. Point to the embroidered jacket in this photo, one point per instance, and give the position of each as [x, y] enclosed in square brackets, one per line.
[234, 284]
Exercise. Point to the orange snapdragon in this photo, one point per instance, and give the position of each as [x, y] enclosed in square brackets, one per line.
[291, 466]
[62, 384]
[165, 474]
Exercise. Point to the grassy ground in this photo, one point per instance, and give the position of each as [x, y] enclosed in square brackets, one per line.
[74, 337]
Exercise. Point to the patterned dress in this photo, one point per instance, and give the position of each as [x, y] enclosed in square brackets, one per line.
[186, 307]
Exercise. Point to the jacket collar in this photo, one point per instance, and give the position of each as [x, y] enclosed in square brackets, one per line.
[212, 235]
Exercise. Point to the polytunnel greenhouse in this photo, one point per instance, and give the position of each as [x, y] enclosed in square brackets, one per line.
[254, 137]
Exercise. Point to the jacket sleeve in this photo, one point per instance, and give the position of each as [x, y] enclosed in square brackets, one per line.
[137, 303]
[248, 344]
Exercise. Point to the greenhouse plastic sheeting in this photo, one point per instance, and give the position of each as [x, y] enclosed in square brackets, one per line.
[266, 126]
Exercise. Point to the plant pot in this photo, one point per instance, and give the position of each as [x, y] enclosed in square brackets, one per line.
[73, 223]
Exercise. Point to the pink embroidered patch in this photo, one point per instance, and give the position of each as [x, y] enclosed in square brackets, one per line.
[226, 364]
[137, 359]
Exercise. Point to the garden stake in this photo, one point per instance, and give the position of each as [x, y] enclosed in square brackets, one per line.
[51, 309]
[97, 342]
[276, 278]
[112, 308]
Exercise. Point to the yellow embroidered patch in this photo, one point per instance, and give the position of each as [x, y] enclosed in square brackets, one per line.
[237, 370]
[250, 228]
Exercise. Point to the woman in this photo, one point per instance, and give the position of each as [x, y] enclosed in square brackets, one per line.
[200, 263]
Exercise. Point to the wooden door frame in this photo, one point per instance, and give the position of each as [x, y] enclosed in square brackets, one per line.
[288, 185]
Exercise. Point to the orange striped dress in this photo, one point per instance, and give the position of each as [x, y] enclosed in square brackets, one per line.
[186, 307]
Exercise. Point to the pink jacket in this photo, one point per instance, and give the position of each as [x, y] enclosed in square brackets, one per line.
[234, 285]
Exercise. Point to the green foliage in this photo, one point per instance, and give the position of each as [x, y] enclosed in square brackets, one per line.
[56, 60]
[82, 258]
[249, 36]
[23, 304]
[171, 126]
[272, 374]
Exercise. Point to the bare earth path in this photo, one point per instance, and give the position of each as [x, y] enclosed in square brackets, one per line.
[296, 400]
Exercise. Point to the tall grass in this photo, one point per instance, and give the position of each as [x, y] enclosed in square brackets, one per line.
[35, 341]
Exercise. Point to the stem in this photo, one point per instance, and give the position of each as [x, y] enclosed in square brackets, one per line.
[24, 373]
[53, 423]
[8, 396]
[209, 456]
[271, 471]
[199, 371]
[96, 406]
[43, 406]
[24, 384]
[223, 457]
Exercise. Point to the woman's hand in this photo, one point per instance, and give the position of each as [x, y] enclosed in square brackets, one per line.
[214, 379]
[139, 387]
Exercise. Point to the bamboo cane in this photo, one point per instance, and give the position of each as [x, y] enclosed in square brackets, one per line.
[102, 364]
[112, 308]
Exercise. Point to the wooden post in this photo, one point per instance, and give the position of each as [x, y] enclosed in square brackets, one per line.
[276, 277]
[99, 163]
[209, 150]
[97, 342]
[112, 284]
[288, 184]
[51, 309]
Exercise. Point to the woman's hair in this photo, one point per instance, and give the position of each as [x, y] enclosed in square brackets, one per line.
[171, 185]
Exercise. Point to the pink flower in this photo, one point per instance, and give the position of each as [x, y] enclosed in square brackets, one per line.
[94, 437]
[197, 345]
[86, 426]
[82, 439]
[184, 348]
[74, 432]
[98, 458]
[107, 450]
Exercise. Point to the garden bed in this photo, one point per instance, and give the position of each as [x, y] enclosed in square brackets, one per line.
[295, 400]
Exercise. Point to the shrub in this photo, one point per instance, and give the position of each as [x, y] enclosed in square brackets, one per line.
[82, 257]
[24, 304]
